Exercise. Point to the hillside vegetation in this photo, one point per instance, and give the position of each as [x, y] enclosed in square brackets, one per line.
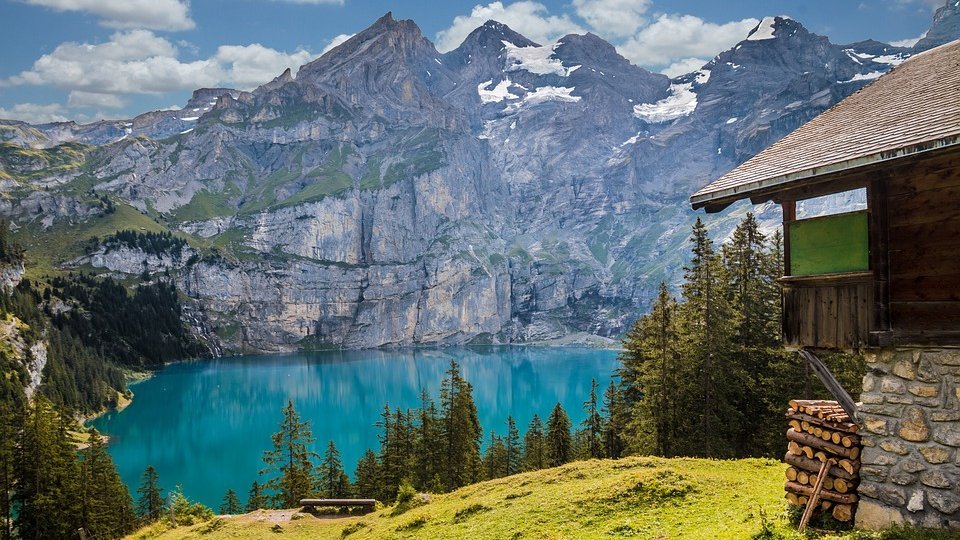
[638, 497]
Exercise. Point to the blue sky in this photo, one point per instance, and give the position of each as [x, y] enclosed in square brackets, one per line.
[91, 59]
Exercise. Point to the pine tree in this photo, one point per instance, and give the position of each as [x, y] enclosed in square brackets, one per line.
[48, 493]
[367, 479]
[706, 324]
[534, 445]
[8, 434]
[495, 458]
[289, 465]
[617, 414]
[331, 475]
[593, 424]
[150, 502]
[256, 499]
[231, 504]
[559, 446]
[650, 362]
[461, 431]
[106, 507]
[427, 449]
[514, 449]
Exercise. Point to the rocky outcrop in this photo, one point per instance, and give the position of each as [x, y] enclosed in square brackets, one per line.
[387, 194]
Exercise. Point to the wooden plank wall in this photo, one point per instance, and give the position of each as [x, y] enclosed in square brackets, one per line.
[924, 257]
[830, 312]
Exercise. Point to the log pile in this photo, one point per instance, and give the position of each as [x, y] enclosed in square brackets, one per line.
[820, 431]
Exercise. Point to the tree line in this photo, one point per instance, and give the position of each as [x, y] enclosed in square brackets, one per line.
[435, 448]
[706, 374]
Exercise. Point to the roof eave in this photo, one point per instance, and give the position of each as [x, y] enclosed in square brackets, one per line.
[718, 200]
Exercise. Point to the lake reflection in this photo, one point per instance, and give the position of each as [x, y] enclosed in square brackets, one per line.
[206, 424]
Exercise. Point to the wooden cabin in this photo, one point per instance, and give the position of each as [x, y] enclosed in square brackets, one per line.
[883, 279]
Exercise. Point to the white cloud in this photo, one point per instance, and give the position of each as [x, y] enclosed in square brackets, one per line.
[674, 37]
[531, 19]
[79, 98]
[336, 42]
[248, 66]
[909, 42]
[35, 113]
[615, 18]
[139, 62]
[683, 66]
[153, 14]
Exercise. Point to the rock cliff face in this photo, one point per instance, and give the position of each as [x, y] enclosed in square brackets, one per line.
[388, 194]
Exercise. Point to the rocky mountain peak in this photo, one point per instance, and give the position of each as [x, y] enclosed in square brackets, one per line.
[945, 27]
[775, 27]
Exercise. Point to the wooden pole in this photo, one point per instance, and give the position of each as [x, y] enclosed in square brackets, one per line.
[831, 382]
[82, 533]
[812, 503]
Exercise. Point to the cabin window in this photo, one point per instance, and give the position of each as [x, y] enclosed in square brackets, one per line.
[825, 241]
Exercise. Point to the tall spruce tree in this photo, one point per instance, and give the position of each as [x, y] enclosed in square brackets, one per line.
[47, 495]
[255, 498]
[593, 424]
[649, 364]
[366, 477]
[534, 446]
[106, 506]
[618, 414]
[559, 445]
[230, 504]
[495, 458]
[427, 450]
[513, 448]
[711, 379]
[8, 440]
[150, 501]
[289, 464]
[461, 431]
[333, 483]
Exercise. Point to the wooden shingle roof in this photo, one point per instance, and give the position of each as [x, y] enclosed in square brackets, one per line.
[913, 108]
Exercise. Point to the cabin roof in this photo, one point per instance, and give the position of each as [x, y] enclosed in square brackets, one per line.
[913, 108]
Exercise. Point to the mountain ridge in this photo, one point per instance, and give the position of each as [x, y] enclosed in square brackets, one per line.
[390, 195]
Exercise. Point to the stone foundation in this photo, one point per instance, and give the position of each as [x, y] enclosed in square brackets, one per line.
[911, 438]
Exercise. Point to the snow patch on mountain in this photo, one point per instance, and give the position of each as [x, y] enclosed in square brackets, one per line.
[681, 102]
[536, 60]
[863, 77]
[547, 93]
[766, 29]
[499, 92]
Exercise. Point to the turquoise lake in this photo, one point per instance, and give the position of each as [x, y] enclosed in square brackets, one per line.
[205, 424]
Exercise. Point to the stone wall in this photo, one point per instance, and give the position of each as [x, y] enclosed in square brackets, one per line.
[911, 438]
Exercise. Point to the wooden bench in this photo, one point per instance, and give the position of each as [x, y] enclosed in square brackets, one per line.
[367, 504]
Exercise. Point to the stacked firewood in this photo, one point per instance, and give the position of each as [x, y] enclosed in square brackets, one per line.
[822, 441]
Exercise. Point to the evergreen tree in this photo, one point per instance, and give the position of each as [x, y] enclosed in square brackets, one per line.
[534, 445]
[367, 479]
[593, 424]
[427, 449]
[150, 502]
[618, 415]
[559, 446]
[331, 475]
[106, 507]
[289, 465]
[256, 499]
[650, 363]
[231, 504]
[461, 431]
[8, 434]
[495, 458]
[47, 498]
[393, 458]
[706, 323]
[513, 448]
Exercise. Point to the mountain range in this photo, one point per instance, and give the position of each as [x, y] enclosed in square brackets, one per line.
[387, 194]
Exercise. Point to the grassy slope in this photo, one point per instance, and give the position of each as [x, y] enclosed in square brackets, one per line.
[639, 497]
